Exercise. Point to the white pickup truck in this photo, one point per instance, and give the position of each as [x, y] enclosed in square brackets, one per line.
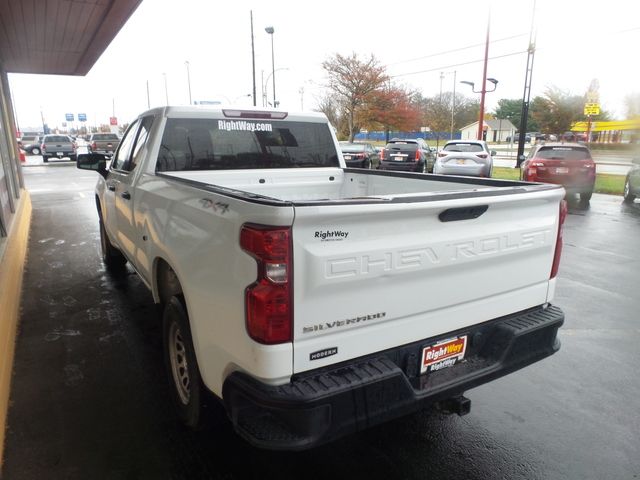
[316, 300]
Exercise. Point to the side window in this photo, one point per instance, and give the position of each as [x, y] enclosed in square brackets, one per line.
[124, 149]
[141, 141]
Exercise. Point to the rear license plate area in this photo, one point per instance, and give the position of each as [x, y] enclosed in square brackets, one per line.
[443, 354]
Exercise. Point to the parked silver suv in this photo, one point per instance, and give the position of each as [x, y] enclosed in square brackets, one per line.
[58, 146]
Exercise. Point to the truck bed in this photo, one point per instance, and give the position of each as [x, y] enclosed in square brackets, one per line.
[349, 185]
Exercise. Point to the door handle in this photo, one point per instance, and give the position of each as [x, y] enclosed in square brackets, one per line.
[126, 195]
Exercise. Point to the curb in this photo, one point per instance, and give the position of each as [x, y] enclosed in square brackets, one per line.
[12, 262]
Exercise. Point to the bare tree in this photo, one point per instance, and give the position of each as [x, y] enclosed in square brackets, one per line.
[352, 80]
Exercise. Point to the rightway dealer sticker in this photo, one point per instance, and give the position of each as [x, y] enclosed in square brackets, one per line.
[443, 354]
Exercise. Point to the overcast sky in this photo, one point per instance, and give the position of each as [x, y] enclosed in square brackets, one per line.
[576, 42]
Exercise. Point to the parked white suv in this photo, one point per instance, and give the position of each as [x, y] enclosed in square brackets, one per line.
[471, 158]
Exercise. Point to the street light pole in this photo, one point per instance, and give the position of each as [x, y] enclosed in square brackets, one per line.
[270, 31]
[484, 82]
[265, 82]
[166, 91]
[188, 81]
[482, 92]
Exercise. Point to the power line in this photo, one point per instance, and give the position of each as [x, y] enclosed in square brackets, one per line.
[457, 64]
[456, 50]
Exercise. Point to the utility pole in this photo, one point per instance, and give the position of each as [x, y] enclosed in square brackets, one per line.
[526, 95]
[253, 60]
[484, 82]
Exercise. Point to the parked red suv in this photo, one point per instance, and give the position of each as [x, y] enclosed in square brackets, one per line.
[567, 164]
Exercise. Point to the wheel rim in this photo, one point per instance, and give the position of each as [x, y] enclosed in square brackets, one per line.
[36, 151]
[179, 365]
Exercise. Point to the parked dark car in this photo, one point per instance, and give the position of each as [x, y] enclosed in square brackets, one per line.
[103, 143]
[573, 137]
[567, 164]
[58, 146]
[360, 155]
[409, 155]
[632, 182]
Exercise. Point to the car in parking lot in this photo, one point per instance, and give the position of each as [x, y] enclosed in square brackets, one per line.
[465, 157]
[567, 164]
[408, 155]
[632, 182]
[31, 144]
[360, 155]
[103, 143]
[58, 146]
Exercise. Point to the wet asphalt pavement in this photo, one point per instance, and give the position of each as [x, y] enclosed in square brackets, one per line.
[90, 399]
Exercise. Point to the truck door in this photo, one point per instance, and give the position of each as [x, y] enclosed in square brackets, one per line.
[128, 156]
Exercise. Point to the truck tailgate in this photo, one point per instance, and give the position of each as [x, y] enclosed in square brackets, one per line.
[371, 277]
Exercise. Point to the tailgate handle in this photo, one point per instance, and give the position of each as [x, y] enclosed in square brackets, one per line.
[462, 213]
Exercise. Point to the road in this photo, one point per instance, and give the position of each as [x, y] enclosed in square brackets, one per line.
[90, 398]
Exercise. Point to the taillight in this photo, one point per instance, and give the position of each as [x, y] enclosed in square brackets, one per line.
[268, 301]
[94, 146]
[531, 174]
[481, 155]
[382, 154]
[417, 155]
[442, 154]
[558, 252]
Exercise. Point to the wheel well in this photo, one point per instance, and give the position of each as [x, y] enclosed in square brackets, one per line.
[167, 283]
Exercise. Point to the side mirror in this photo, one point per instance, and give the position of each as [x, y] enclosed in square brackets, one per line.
[96, 162]
[493, 152]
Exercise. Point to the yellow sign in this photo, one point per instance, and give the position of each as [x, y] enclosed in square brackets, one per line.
[592, 109]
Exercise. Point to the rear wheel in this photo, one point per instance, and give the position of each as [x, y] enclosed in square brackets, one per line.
[180, 362]
[35, 151]
[628, 196]
[585, 197]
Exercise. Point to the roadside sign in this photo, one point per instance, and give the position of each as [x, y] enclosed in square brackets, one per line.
[592, 109]
[82, 117]
[69, 117]
[113, 121]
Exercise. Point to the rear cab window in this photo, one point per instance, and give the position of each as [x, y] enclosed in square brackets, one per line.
[402, 145]
[223, 144]
[563, 153]
[463, 147]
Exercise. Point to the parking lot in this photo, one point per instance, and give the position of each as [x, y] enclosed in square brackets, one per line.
[89, 395]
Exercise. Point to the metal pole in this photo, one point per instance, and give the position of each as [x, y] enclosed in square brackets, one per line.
[453, 104]
[166, 92]
[484, 81]
[253, 60]
[188, 81]
[273, 70]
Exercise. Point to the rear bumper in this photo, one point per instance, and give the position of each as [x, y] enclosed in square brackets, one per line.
[402, 166]
[322, 405]
[464, 170]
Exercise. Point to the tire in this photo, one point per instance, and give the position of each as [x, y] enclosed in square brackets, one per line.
[45, 159]
[111, 256]
[185, 382]
[585, 197]
[628, 196]
[35, 151]
[73, 158]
